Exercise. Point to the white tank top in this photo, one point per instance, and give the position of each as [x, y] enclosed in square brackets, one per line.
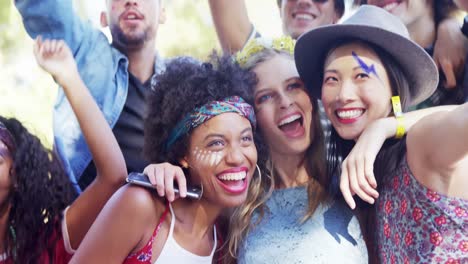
[174, 253]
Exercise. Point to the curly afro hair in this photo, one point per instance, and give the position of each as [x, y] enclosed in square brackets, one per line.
[40, 192]
[185, 85]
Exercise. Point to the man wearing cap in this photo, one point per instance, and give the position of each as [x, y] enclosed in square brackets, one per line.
[298, 16]
[118, 74]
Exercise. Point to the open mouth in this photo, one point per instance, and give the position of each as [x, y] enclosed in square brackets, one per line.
[292, 125]
[132, 15]
[233, 182]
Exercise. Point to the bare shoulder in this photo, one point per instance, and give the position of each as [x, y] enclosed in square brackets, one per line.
[138, 202]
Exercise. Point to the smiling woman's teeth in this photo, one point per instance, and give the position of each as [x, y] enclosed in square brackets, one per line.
[349, 113]
[233, 176]
[289, 120]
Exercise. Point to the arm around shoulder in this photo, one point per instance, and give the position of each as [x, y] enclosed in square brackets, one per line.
[120, 227]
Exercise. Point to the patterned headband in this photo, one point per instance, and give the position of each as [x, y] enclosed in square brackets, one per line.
[6, 139]
[256, 45]
[200, 115]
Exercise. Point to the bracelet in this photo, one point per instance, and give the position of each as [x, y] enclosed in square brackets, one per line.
[400, 129]
[396, 104]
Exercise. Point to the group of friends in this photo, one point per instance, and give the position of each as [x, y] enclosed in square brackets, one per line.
[340, 142]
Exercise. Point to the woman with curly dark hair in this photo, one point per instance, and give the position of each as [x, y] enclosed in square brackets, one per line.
[28, 195]
[40, 221]
[198, 124]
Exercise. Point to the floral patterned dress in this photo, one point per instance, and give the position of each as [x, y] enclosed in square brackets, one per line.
[418, 225]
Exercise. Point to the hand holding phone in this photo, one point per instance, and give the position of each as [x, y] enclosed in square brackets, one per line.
[143, 180]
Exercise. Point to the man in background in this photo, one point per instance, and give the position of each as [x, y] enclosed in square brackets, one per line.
[118, 74]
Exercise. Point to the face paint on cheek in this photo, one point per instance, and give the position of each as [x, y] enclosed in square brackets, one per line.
[208, 158]
[216, 158]
[199, 154]
[368, 69]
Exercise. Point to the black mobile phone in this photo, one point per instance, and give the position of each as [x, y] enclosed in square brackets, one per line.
[142, 180]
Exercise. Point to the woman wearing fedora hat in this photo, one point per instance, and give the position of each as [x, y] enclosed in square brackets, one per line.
[422, 207]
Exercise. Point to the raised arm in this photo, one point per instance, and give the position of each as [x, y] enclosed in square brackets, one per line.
[357, 174]
[450, 50]
[55, 19]
[232, 23]
[438, 151]
[56, 58]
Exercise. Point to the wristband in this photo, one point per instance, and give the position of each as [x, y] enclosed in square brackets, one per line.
[396, 104]
[400, 129]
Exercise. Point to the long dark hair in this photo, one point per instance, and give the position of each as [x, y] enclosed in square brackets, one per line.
[40, 192]
[392, 152]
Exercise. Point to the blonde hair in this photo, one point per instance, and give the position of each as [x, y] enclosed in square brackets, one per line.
[261, 190]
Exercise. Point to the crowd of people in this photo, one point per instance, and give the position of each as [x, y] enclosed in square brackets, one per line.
[340, 142]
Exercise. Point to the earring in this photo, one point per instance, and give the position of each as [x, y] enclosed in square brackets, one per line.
[201, 193]
[259, 172]
[184, 164]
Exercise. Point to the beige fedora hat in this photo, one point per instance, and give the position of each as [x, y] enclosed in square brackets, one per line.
[374, 25]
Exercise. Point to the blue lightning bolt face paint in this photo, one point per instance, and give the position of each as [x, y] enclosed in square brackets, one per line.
[368, 69]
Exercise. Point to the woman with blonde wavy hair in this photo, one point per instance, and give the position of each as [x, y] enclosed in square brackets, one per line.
[299, 208]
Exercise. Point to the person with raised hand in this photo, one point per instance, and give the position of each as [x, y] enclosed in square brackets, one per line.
[117, 74]
[41, 221]
[235, 29]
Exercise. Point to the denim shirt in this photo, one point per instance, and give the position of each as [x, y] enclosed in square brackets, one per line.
[103, 69]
